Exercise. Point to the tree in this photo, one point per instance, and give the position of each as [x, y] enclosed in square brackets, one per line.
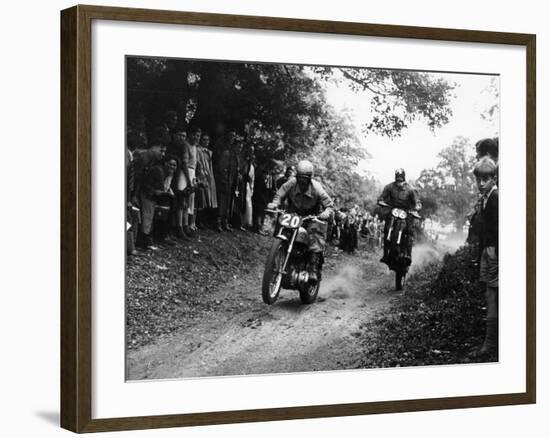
[449, 188]
[283, 110]
[397, 97]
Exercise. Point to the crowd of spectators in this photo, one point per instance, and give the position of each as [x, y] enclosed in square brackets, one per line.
[179, 182]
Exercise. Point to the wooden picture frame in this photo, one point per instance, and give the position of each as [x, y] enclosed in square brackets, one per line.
[76, 218]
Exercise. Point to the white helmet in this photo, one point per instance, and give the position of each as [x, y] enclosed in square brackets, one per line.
[304, 169]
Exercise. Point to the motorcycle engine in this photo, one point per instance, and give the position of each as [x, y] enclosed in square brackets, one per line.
[296, 278]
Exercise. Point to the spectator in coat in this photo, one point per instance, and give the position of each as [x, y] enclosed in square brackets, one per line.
[135, 141]
[150, 174]
[226, 175]
[178, 149]
[248, 169]
[207, 199]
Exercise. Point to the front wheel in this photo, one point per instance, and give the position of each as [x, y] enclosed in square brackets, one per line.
[399, 279]
[308, 294]
[271, 284]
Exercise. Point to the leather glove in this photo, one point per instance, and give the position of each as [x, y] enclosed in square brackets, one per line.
[324, 216]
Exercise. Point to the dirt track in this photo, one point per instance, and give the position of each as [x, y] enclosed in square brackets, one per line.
[245, 336]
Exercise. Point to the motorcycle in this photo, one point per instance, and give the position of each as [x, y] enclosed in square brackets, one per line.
[397, 236]
[287, 263]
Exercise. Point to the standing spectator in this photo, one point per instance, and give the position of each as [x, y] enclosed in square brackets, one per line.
[190, 161]
[151, 184]
[247, 188]
[289, 173]
[169, 122]
[164, 199]
[135, 141]
[487, 147]
[178, 149]
[264, 190]
[485, 172]
[226, 174]
[207, 199]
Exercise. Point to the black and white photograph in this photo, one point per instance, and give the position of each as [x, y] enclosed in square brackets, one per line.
[289, 218]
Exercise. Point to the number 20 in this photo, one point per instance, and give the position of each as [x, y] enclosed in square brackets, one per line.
[290, 221]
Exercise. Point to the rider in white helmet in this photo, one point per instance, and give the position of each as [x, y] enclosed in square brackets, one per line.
[306, 196]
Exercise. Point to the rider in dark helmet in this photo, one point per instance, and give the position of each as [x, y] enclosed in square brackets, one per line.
[399, 194]
[305, 196]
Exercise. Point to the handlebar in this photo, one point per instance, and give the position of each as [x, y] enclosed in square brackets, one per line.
[310, 217]
[411, 212]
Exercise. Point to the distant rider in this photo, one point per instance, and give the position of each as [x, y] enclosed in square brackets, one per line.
[399, 194]
[306, 196]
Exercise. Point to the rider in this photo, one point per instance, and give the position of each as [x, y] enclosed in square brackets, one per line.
[306, 196]
[399, 194]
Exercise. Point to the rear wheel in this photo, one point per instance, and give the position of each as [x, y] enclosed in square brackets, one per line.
[271, 284]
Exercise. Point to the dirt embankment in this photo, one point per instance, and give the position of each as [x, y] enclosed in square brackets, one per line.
[169, 289]
[196, 310]
[239, 334]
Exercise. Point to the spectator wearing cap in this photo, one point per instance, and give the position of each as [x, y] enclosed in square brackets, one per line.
[485, 172]
[151, 184]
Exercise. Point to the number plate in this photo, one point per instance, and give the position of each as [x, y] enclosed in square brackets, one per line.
[289, 220]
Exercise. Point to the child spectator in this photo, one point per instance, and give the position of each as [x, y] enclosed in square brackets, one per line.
[486, 173]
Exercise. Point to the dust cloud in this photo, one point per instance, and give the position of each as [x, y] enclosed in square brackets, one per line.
[342, 284]
[426, 253]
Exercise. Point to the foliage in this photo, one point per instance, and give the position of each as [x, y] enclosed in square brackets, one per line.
[448, 190]
[282, 110]
[491, 112]
[398, 97]
[439, 319]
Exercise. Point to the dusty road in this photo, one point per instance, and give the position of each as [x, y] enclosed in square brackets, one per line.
[246, 336]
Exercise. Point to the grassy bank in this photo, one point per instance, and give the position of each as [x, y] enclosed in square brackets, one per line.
[438, 320]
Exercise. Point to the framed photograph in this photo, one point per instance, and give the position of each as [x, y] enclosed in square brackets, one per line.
[269, 219]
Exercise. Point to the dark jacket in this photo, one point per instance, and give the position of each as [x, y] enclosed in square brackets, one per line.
[488, 225]
[404, 197]
[154, 180]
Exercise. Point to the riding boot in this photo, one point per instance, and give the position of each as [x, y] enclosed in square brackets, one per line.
[384, 258]
[314, 267]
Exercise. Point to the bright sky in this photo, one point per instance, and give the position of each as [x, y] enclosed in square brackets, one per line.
[417, 148]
